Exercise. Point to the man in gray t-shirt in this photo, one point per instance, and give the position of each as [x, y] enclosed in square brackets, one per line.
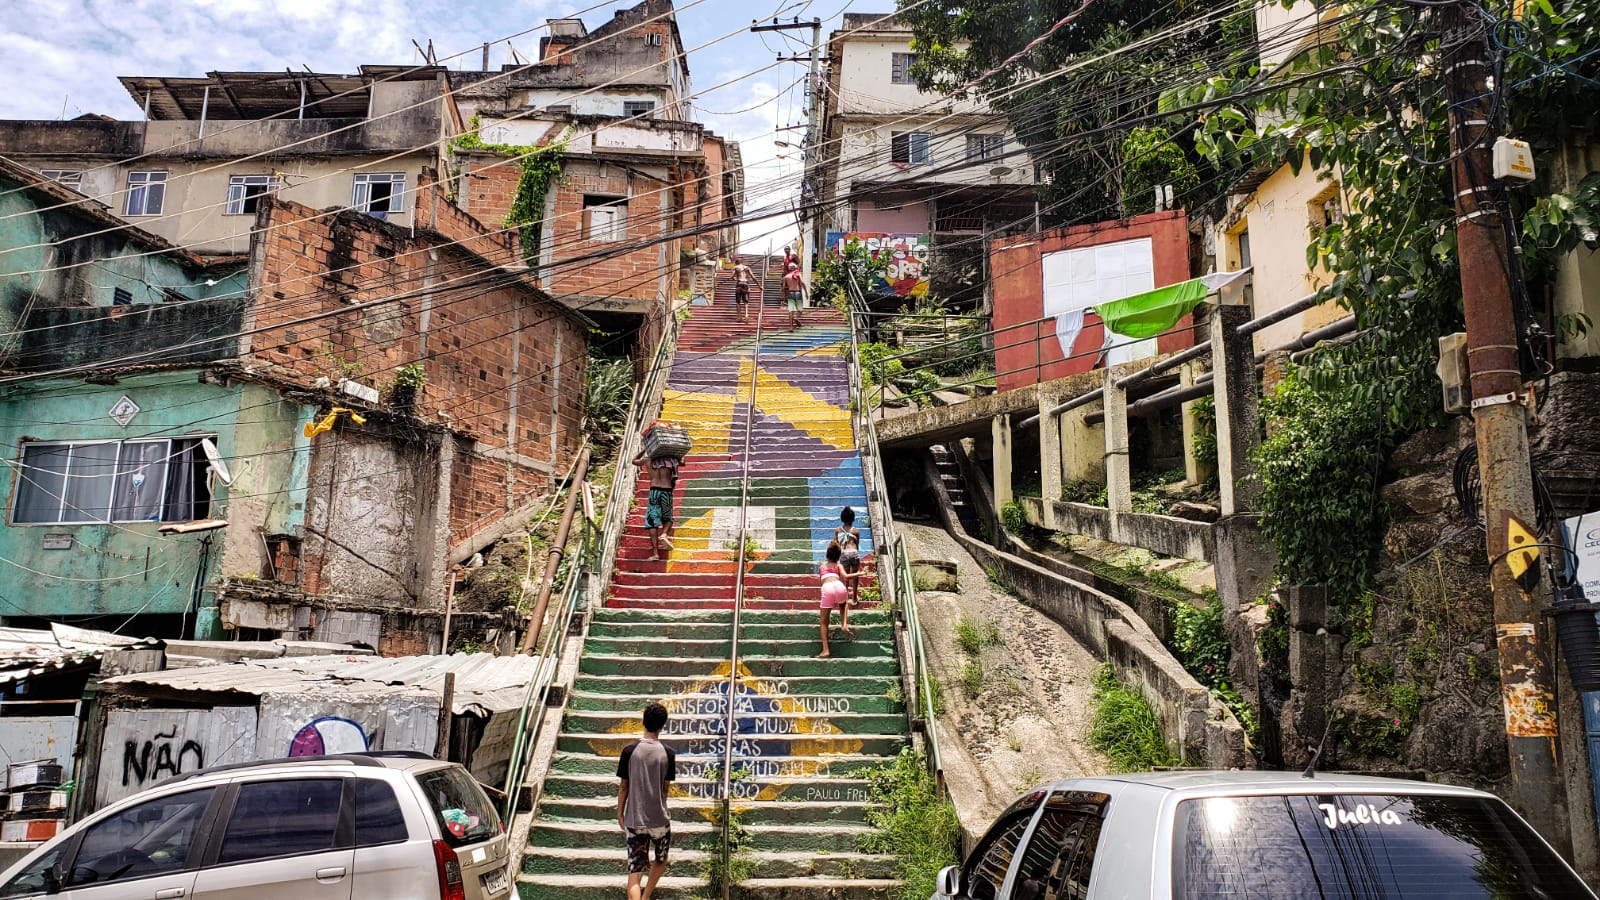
[645, 767]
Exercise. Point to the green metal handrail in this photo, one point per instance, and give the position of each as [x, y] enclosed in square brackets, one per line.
[894, 573]
[596, 556]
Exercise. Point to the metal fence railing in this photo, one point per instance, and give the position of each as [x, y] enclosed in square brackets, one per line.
[894, 564]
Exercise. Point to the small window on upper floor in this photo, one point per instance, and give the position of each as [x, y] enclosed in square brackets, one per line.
[379, 193]
[146, 191]
[985, 147]
[638, 107]
[653, 39]
[605, 218]
[900, 68]
[910, 147]
[245, 193]
[560, 109]
[72, 178]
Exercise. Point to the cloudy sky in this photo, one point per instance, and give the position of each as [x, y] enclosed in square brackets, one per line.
[63, 56]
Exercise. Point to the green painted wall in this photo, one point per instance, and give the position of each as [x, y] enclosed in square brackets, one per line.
[105, 571]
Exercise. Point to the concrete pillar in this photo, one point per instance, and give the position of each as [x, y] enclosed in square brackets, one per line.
[1194, 471]
[1083, 446]
[1050, 463]
[1119, 475]
[1235, 389]
[1002, 461]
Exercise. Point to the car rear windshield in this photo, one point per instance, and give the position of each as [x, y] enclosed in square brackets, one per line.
[465, 815]
[1362, 847]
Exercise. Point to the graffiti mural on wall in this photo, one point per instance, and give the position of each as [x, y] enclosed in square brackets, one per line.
[329, 734]
[144, 746]
[908, 259]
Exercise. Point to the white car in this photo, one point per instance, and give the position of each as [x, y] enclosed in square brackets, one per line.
[379, 826]
[1259, 835]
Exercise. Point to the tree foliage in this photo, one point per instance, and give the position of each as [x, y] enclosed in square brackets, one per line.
[835, 272]
[1074, 125]
[1366, 110]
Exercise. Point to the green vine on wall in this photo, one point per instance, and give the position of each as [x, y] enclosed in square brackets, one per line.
[541, 168]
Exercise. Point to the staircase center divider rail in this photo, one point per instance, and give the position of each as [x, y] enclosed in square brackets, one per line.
[549, 656]
[738, 600]
[601, 563]
[895, 579]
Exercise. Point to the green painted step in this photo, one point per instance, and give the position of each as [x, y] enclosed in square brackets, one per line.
[584, 762]
[718, 649]
[768, 812]
[821, 745]
[748, 630]
[643, 687]
[749, 724]
[711, 703]
[759, 666]
[686, 832]
[788, 788]
[674, 887]
[609, 861]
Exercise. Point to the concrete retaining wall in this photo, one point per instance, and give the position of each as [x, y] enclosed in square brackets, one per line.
[1163, 535]
[1200, 728]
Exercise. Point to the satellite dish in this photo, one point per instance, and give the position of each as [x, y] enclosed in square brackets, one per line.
[214, 457]
[1000, 171]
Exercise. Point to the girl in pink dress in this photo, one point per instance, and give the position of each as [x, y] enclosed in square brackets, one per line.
[834, 593]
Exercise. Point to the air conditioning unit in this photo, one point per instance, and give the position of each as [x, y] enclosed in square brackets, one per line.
[1454, 373]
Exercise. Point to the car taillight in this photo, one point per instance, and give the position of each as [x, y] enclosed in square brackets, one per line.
[449, 865]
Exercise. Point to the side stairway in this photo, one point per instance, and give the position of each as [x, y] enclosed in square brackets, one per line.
[805, 730]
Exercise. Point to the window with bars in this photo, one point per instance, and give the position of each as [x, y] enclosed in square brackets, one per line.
[72, 178]
[985, 147]
[146, 191]
[245, 193]
[900, 65]
[910, 147]
[379, 193]
[638, 107]
[87, 482]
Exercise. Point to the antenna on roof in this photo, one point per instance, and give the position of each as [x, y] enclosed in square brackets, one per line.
[1316, 755]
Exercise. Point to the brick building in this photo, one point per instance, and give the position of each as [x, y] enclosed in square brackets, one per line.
[278, 528]
[647, 201]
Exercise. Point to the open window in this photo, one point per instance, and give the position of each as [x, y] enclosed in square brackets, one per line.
[379, 193]
[64, 483]
[910, 148]
[245, 193]
[605, 218]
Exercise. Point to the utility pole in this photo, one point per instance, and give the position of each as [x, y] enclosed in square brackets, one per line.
[1527, 668]
[810, 217]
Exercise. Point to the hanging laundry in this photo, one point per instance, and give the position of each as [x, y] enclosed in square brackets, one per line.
[1152, 312]
[312, 429]
[1068, 326]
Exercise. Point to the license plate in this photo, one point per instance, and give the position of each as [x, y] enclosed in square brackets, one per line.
[495, 882]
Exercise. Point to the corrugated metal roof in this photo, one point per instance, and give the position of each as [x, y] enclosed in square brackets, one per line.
[29, 653]
[485, 683]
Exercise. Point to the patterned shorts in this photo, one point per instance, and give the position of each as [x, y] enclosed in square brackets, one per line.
[794, 301]
[641, 843]
[659, 513]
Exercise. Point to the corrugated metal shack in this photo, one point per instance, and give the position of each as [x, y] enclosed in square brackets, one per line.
[158, 724]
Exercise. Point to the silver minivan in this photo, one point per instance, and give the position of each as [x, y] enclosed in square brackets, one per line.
[1259, 835]
[374, 826]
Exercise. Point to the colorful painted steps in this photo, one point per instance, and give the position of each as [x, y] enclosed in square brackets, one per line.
[806, 731]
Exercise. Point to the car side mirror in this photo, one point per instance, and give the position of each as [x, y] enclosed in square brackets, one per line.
[949, 881]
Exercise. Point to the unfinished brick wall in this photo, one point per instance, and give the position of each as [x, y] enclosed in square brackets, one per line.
[504, 363]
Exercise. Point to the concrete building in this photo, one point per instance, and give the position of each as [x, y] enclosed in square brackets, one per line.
[898, 161]
[195, 169]
[647, 200]
[297, 442]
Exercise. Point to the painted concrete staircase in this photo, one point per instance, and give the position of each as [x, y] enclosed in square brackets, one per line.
[805, 729]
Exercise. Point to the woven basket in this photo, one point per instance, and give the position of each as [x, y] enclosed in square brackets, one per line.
[666, 440]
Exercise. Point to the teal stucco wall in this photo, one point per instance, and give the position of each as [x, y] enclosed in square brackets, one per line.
[125, 569]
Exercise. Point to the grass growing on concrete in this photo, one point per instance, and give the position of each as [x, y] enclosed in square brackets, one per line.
[972, 677]
[740, 865]
[913, 822]
[1125, 728]
[974, 636]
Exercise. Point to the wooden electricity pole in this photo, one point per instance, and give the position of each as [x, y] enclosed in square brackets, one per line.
[1527, 673]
